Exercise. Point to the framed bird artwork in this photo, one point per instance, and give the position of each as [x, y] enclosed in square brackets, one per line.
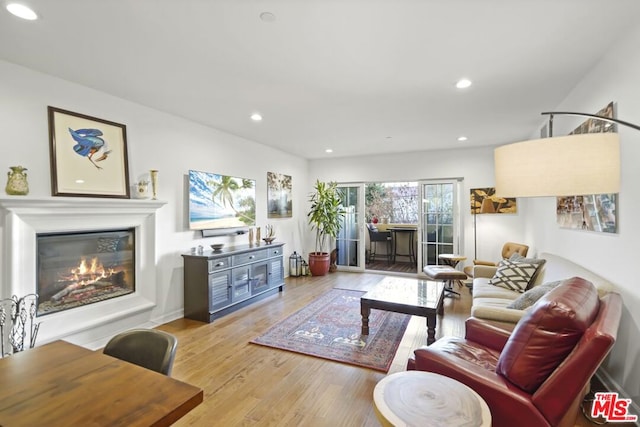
[88, 156]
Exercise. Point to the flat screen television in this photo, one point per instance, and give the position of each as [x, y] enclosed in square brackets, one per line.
[220, 201]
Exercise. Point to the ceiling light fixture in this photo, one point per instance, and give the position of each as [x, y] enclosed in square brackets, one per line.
[463, 83]
[328, 150]
[462, 138]
[560, 166]
[256, 117]
[267, 17]
[22, 11]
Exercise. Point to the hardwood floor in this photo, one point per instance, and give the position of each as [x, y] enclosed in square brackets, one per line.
[247, 384]
[397, 267]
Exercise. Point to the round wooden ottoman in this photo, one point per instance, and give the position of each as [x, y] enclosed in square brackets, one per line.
[417, 398]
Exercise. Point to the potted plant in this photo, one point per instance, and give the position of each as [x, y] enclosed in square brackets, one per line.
[325, 218]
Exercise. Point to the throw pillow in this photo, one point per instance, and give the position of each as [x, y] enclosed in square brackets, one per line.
[516, 257]
[530, 297]
[514, 276]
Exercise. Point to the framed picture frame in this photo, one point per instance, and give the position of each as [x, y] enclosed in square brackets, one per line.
[279, 196]
[591, 212]
[88, 156]
[485, 201]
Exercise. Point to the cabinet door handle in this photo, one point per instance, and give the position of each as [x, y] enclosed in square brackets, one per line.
[252, 257]
[220, 264]
[276, 252]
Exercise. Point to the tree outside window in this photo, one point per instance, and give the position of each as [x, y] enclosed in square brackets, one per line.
[394, 202]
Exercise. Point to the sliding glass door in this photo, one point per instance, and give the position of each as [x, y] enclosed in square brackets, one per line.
[437, 229]
[440, 220]
[349, 244]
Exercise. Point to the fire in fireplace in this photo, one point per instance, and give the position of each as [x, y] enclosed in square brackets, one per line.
[80, 268]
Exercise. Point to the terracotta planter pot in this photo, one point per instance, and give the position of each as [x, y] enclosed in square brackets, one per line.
[319, 263]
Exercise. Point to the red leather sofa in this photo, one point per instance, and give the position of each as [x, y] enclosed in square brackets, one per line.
[538, 374]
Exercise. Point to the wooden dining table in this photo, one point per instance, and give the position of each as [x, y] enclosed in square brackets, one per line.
[62, 384]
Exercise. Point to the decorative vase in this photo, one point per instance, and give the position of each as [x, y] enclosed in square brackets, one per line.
[154, 183]
[257, 235]
[17, 184]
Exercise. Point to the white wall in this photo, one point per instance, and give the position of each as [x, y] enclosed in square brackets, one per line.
[155, 141]
[614, 78]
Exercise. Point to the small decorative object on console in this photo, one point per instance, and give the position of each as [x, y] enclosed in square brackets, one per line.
[271, 235]
[17, 184]
[217, 246]
[141, 189]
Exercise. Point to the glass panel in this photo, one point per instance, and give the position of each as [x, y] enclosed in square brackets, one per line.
[347, 241]
[438, 206]
[75, 269]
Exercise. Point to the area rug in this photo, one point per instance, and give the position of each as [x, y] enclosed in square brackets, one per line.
[330, 326]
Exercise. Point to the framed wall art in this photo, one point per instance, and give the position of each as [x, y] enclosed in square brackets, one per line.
[591, 212]
[279, 203]
[484, 200]
[88, 156]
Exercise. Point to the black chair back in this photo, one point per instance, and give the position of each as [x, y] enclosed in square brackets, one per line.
[149, 348]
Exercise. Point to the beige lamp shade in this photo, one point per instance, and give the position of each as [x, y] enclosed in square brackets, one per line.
[560, 166]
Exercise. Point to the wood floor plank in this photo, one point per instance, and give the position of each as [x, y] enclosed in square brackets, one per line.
[251, 385]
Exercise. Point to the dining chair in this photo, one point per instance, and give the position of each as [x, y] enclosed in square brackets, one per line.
[376, 237]
[150, 348]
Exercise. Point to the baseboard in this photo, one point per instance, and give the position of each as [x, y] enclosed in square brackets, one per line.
[611, 385]
[168, 317]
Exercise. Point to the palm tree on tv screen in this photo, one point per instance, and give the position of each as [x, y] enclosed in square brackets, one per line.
[227, 192]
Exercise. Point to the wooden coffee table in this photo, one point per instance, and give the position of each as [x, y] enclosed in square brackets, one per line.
[409, 296]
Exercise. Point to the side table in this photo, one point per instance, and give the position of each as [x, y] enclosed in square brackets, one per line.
[417, 398]
[452, 259]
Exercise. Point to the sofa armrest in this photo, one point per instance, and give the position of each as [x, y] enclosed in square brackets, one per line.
[485, 271]
[480, 262]
[486, 333]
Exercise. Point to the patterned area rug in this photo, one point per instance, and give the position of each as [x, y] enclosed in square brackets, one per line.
[329, 328]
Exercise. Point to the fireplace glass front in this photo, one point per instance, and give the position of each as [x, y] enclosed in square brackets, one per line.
[80, 268]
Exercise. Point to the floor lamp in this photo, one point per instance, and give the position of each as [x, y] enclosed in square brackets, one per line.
[486, 206]
[561, 166]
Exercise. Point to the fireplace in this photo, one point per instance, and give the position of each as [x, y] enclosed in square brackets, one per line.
[76, 269]
[133, 222]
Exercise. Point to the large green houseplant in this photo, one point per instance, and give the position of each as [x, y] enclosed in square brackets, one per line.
[325, 218]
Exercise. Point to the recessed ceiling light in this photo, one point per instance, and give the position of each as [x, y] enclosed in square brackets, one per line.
[328, 150]
[463, 83]
[267, 17]
[22, 11]
[462, 138]
[256, 117]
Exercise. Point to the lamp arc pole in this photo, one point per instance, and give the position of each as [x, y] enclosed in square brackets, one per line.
[592, 116]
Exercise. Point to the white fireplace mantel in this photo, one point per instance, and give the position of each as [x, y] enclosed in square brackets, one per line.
[22, 218]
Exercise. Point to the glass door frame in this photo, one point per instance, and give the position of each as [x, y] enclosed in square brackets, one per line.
[456, 221]
[360, 227]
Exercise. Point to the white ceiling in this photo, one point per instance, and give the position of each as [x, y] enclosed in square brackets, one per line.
[358, 76]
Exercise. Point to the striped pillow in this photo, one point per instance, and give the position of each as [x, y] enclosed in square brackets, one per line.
[514, 276]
